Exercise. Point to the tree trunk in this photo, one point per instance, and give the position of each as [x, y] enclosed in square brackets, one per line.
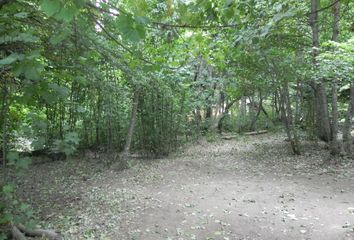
[323, 128]
[253, 123]
[208, 113]
[219, 119]
[210, 98]
[243, 106]
[131, 127]
[335, 146]
[222, 102]
[251, 108]
[287, 117]
[4, 117]
[277, 104]
[347, 138]
[198, 116]
[297, 115]
[61, 117]
[98, 117]
[315, 30]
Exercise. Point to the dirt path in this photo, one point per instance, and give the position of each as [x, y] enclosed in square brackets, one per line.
[248, 188]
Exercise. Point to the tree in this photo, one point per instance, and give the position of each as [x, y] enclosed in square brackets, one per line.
[335, 148]
[321, 106]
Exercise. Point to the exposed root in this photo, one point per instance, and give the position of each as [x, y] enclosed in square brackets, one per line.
[19, 232]
[256, 132]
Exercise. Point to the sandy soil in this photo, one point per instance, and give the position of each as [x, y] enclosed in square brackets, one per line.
[246, 188]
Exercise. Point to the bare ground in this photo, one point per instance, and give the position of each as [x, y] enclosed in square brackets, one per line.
[247, 188]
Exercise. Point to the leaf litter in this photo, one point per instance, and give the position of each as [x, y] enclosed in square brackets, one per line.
[247, 188]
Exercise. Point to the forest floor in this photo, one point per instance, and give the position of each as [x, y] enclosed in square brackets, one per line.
[245, 188]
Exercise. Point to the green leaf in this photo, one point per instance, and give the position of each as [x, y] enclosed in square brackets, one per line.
[24, 207]
[38, 143]
[125, 22]
[3, 236]
[49, 97]
[50, 7]
[80, 79]
[6, 218]
[31, 67]
[32, 73]
[67, 13]
[33, 55]
[131, 29]
[80, 3]
[29, 213]
[143, 20]
[228, 3]
[10, 59]
[7, 189]
[135, 35]
[229, 13]
[57, 38]
[55, 93]
[61, 91]
[255, 40]
[27, 37]
[72, 137]
[140, 7]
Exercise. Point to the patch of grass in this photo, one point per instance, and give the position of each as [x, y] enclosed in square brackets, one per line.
[132, 163]
[211, 136]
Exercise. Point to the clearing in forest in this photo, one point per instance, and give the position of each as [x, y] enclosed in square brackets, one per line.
[247, 188]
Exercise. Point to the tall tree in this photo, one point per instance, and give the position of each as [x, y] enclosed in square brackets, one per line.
[347, 138]
[323, 128]
[133, 116]
[335, 148]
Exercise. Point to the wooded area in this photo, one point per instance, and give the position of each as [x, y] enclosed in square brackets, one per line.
[121, 82]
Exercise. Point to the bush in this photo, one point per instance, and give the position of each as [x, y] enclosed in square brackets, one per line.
[242, 123]
[67, 145]
[211, 136]
[13, 211]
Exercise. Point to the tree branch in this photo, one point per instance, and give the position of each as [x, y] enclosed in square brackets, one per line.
[322, 9]
[50, 234]
[17, 234]
[193, 26]
[119, 43]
